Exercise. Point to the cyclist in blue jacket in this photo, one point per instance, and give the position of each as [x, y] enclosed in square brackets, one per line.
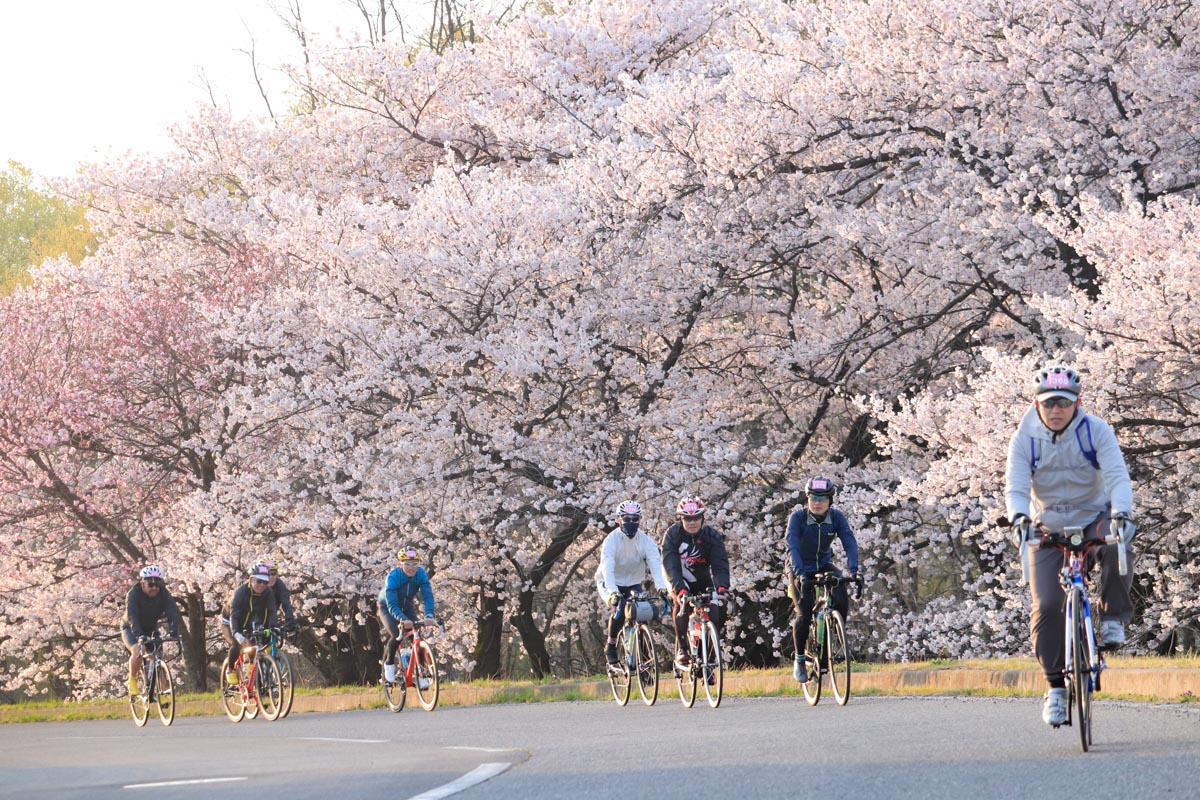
[397, 604]
[810, 534]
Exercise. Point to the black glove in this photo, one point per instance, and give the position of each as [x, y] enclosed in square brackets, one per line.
[143, 639]
[1022, 527]
[292, 628]
[858, 586]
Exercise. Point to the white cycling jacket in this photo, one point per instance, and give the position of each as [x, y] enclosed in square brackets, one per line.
[1050, 477]
[624, 562]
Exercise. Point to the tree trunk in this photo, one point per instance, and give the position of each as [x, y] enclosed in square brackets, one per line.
[488, 635]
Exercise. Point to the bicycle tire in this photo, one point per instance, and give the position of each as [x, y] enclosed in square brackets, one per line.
[164, 692]
[619, 679]
[269, 688]
[647, 665]
[837, 657]
[812, 663]
[685, 681]
[426, 668]
[139, 704]
[287, 674]
[1081, 670]
[231, 696]
[712, 669]
[394, 694]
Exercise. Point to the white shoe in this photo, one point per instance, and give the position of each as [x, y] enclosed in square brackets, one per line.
[422, 683]
[1112, 633]
[389, 673]
[798, 671]
[1054, 709]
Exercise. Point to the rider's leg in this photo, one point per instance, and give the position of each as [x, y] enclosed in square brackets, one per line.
[1048, 613]
[680, 620]
[135, 658]
[807, 594]
[1115, 605]
[391, 625]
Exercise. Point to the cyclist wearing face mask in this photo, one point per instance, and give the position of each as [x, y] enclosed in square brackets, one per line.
[625, 557]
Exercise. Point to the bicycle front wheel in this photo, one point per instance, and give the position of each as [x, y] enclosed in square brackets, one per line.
[618, 674]
[394, 694]
[269, 688]
[287, 676]
[1081, 670]
[425, 675]
[647, 665]
[139, 703]
[812, 664]
[232, 699]
[712, 670]
[837, 654]
[164, 688]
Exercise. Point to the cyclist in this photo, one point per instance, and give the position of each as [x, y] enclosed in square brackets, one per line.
[251, 606]
[810, 534]
[625, 557]
[397, 605]
[694, 559]
[148, 601]
[1065, 468]
[283, 597]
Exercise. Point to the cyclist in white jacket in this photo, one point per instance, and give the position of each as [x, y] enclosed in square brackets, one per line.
[1065, 468]
[625, 557]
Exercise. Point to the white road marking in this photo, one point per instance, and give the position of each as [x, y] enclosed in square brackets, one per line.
[477, 775]
[331, 739]
[181, 783]
[482, 749]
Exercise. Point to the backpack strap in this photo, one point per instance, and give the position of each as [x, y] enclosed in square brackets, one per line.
[1089, 451]
[1033, 455]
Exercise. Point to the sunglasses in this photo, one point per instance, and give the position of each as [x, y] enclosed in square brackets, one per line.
[691, 517]
[1056, 402]
[818, 498]
[263, 581]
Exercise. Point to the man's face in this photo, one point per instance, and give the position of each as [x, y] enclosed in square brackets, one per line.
[818, 503]
[1056, 412]
[274, 577]
[150, 586]
[258, 585]
[410, 567]
[692, 523]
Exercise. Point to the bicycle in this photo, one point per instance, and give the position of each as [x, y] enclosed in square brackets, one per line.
[704, 651]
[155, 684]
[826, 651]
[636, 653]
[287, 671]
[1084, 656]
[259, 686]
[420, 672]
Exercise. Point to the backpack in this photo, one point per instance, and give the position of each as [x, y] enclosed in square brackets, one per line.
[1089, 450]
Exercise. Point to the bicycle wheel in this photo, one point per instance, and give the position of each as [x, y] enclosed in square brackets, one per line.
[812, 663]
[287, 676]
[685, 680]
[269, 688]
[425, 671]
[837, 655]
[139, 704]
[647, 665]
[619, 673]
[1081, 670]
[712, 670]
[164, 688]
[394, 694]
[231, 696]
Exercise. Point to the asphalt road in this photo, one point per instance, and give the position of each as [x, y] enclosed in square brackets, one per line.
[876, 747]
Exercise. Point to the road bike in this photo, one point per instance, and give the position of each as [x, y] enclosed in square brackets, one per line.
[1085, 660]
[636, 653]
[259, 686]
[287, 670]
[826, 650]
[155, 685]
[704, 653]
[416, 666]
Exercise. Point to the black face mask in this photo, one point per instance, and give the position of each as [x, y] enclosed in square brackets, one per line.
[630, 527]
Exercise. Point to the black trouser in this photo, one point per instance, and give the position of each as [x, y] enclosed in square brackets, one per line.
[683, 611]
[617, 621]
[804, 596]
[392, 625]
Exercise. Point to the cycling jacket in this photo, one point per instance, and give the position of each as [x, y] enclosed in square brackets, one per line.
[624, 562]
[246, 608]
[142, 612]
[700, 560]
[399, 591]
[810, 543]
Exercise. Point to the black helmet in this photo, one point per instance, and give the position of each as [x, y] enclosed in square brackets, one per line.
[820, 487]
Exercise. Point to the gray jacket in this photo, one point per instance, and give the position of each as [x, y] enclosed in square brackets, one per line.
[1051, 478]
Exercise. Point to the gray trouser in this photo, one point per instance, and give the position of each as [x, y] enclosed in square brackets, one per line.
[1049, 602]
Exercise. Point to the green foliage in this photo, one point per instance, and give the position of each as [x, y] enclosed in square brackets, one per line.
[36, 225]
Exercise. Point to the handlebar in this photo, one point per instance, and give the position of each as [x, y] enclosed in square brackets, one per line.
[702, 599]
[1070, 540]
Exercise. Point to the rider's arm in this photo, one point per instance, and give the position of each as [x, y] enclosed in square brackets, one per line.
[391, 591]
[653, 559]
[272, 617]
[238, 608]
[849, 543]
[718, 559]
[671, 566]
[1018, 476]
[283, 601]
[426, 592]
[608, 562]
[132, 614]
[1112, 467]
[172, 613]
[794, 530]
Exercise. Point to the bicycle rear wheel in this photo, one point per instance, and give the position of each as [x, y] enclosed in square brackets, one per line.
[231, 696]
[287, 676]
[619, 674]
[269, 688]
[837, 654]
[164, 688]
[647, 665]
[812, 663]
[1081, 670]
[394, 694]
[426, 671]
[139, 704]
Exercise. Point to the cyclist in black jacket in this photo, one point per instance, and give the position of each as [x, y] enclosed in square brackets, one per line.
[694, 559]
[283, 597]
[251, 605]
[147, 602]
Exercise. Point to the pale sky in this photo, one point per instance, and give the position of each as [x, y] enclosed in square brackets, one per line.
[80, 79]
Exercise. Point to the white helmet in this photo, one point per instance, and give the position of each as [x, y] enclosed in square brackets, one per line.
[151, 571]
[628, 508]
